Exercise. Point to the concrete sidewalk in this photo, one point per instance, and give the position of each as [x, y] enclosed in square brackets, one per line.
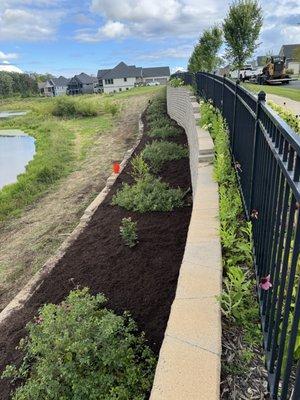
[290, 105]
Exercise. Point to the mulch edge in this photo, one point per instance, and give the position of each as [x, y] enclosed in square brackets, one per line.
[19, 301]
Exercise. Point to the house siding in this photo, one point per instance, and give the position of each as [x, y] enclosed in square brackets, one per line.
[119, 83]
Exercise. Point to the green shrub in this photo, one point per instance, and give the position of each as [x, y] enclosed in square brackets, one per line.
[70, 107]
[164, 132]
[81, 350]
[148, 194]
[110, 107]
[128, 232]
[289, 117]
[139, 167]
[158, 152]
[64, 107]
[176, 82]
[160, 122]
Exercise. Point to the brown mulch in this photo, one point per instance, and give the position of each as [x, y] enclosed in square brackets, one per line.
[241, 379]
[141, 280]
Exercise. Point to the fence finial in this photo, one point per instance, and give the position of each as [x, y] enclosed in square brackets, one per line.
[261, 96]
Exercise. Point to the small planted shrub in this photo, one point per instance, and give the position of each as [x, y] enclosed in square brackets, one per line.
[128, 232]
[164, 132]
[139, 167]
[290, 118]
[158, 152]
[148, 194]
[160, 122]
[81, 350]
[176, 82]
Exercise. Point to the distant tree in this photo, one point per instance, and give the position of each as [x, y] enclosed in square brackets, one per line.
[15, 84]
[205, 54]
[6, 84]
[241, 28]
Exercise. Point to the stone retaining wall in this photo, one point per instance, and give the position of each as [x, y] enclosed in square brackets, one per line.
[190, 357]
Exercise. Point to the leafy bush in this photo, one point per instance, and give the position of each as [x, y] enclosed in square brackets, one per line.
[176, 82]
[139, 167]
[128, 232]
[164, 132]
[110, 107]
[290, 118]
[237, 300]
[81, 350]
[160, 122]
[69, 107]
[148, 194]
[158, 152]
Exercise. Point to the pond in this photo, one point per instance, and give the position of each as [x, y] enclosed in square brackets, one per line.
[11, 114]
[16, 150]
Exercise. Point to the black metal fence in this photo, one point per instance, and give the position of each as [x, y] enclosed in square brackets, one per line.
[267, 152]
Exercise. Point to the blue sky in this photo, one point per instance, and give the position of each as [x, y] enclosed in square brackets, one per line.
[71, 36]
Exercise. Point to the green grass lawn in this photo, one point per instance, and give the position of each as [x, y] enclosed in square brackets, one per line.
[284, 90]
[61, 142]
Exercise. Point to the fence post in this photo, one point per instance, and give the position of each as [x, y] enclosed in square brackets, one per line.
[261, 98]
[223, 84]
[234, 116]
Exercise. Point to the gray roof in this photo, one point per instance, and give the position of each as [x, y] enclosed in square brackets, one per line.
[102, 72]
[122, 70]
[42, 85]
[287, 50]
[155, 72]
[61, 81]
[84, 78]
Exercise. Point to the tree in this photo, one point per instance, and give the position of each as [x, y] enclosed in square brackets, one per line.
[241, 28]
[205, 54]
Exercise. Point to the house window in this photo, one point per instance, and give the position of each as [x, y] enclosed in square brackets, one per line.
[120, 89]
[127, 88]
[125, 79]
[109, 81]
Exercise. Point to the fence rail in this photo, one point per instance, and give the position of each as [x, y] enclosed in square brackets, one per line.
[267, 153]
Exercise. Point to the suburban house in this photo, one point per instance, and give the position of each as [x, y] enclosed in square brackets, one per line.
[60, 85]
[46, 88]
[124, 77]
[54, 87]
[82, 84]
[289, 52]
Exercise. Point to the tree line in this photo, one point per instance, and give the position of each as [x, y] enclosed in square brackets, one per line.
[15, 84]
[239, 32]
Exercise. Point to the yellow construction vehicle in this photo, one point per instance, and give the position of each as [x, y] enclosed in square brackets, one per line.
[274, 72]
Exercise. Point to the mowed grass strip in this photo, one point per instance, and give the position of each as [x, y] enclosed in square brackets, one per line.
[284, 90]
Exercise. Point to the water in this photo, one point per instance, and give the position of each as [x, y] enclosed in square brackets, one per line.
[9, 114]
[15, 154]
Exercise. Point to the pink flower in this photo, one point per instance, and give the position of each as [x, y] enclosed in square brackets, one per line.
[265, 283]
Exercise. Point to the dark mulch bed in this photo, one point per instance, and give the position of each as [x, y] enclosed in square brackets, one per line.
[142, 280]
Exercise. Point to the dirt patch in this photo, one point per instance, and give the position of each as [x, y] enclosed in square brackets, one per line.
[27, 242]
[141, 280]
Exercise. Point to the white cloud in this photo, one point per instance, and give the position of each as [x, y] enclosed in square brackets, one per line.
[110, 30]
[30, 20]
[7, 56]
[156, 18]
[180, 51]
